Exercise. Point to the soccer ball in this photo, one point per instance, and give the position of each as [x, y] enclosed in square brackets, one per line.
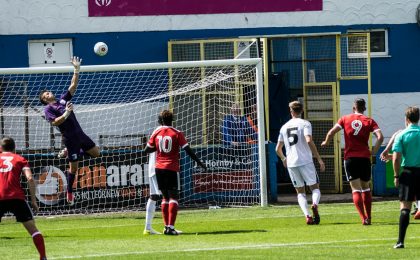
[101, 49]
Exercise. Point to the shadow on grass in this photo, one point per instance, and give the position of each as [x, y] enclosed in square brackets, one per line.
[225, 232]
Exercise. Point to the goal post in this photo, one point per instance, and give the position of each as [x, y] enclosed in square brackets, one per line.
[117, 106]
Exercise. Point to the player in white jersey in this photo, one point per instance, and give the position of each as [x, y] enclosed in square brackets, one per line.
[296, 137]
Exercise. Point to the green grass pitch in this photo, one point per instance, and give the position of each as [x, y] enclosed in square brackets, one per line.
[275, 232]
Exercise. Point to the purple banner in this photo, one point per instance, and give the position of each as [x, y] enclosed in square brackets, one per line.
[184, 7]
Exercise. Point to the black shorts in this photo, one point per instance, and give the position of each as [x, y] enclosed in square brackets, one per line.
[77, 143]
[19, 208]
[409, 184]
[167, 180]
[358, 168]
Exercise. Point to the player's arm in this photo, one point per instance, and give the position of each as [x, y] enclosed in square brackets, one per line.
[315, 153]
[149, 149]
[385, 156]
[193, 156]
[379, 140]
[331, 134]
[279, 151]
[59, 120]
[396, 165]
[32, 187]
[76, 61]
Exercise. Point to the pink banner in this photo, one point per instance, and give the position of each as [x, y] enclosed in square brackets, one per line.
[184, 7]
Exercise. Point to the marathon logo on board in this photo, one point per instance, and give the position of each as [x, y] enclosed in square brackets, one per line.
[93, 182]
[114, 178]
[52, 184]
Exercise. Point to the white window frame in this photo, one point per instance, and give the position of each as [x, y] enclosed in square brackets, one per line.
[372, 54]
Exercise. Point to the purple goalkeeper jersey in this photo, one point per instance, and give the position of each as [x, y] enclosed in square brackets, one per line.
[70, 128]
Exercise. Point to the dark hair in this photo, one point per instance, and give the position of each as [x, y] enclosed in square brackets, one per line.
[412, 114]
[8, 144]
[40, 96]
[360, 104]
[296, 107]
[166, 117]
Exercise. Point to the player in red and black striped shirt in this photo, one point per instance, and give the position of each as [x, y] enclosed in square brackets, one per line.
[12, 196]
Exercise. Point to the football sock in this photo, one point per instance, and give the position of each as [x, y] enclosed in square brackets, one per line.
[303, 203]
[404, 221]
[358, 202]
[173, 211]
[150, 212]
[367, 202]
[316, 196]
[418, 204]
[165, 211]
[39, 244]
[70, 181]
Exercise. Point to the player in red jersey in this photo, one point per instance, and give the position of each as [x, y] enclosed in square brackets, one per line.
[166, 141]
[12, 196]
[357, 155]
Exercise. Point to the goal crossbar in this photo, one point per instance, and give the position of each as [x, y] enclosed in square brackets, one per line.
[134, 66]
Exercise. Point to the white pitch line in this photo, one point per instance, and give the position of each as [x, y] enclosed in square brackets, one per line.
[140, 224]
[258, 246]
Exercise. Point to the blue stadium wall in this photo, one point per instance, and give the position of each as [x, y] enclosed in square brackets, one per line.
[396, 73]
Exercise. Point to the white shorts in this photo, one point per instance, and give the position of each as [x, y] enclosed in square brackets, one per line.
[153, 184]
[305, 174]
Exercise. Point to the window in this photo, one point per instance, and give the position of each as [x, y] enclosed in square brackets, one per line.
[356, 45]
[51, 52]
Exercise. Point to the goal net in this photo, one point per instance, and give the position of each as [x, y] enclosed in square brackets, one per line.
[117, 107]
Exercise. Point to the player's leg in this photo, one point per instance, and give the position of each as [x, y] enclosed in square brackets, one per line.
[37, 238]
[23, 214]
[73, 154]
[174, 185]
[417, 196]
[365, 176]
[155, 195]
[150, 212]
[93, 152]
[299, 185]
[173, 211]
[316, 196]
[406, 196]
[403, 223]
[162, 180]
[89, 147]
[71, 176]
[311, 179]
[367, 200]
[352, 174]
[416, 211]
[356, 189]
